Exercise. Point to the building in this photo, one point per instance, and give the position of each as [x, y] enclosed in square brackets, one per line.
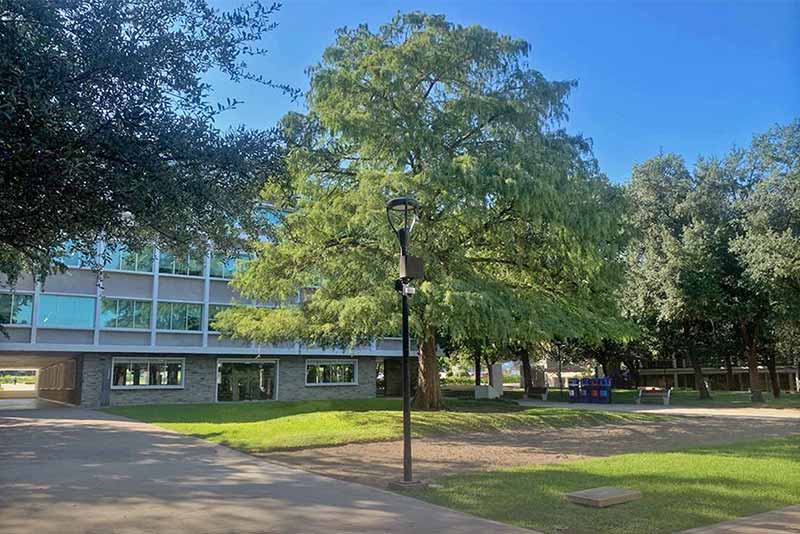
[139, 332]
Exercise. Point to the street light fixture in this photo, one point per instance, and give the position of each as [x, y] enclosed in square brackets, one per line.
[402, 215]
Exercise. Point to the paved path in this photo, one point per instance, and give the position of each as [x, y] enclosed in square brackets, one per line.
[783, 521]
[788, 414]
[65, 471]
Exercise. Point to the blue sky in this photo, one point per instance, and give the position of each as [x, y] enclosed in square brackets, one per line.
[687, 77]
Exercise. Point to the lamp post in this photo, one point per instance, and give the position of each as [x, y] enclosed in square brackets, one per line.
[402, 216]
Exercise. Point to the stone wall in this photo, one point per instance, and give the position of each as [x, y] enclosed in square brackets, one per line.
[292, 381]
[201, 381]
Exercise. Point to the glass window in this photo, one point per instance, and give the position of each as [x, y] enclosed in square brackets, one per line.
[16, 309]
[331, 372]
[179, 316]
[213, 310]
[246, 380]
[72, 258]
[224, 267]
[125, 313]
[138, 261]
[147, 372]
[69, 311]
[185, 264]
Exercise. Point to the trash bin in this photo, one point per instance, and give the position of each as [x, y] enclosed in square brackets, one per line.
[586, 390]
[574, 386]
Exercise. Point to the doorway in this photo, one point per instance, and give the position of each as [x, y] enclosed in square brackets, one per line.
[247, 380]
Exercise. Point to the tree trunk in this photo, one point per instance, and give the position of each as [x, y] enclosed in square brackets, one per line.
[429, 392]
[699, 379]
[697, 366]
[729, 372]
[749, 340]
[773, 376]
[477, 358]
[527, 375]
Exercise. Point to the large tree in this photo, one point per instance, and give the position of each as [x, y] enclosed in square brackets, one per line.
[107, 126]
[514, 228]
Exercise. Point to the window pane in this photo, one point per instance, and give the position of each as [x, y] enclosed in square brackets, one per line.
[144, 260]
[116, 259]
[108, 313]
[181, 264]
[125, 314]
[194, 266]
[5, 309]
[22, 309]
[166, 263]
[216, 268]
[163, 320]
[174, 373]
[194, 316]
[138, 374]
[330, 373]
[141, 314]
[178, 316]
[120, 373]
[127, 261]
[158, 373]
[57, 310]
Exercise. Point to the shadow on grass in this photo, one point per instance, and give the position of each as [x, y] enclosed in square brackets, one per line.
[680, 490]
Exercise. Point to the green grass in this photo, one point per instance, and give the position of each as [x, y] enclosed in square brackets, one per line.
[266, 426]
[680, 397]
[687, 397]
[680, 490]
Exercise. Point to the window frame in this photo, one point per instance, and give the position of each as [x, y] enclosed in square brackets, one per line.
[160, 305]
[188, 258]
[134, 301]
[148, 359]
[210, 318]
[322, 361]
[138, 255]
[14, 295]
[42, 325]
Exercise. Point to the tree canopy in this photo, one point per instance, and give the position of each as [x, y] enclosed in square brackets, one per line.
[518, 231]
[107, 126]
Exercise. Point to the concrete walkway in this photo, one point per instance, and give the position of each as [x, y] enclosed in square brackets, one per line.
[788, 414]
[67, 470]
[783, 521]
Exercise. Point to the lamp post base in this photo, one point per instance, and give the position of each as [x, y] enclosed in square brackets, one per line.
[402, 485]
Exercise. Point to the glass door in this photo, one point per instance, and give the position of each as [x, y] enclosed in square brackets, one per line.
[246, 380]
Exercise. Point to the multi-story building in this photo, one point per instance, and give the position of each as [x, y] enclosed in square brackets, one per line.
[139, 331]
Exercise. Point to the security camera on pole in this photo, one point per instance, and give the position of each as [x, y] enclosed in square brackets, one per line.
[402, 216]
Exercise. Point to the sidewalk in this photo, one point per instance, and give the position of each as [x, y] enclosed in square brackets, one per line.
[787, 414]
[783, 521]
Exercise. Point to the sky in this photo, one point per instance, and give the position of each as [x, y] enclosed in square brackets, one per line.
[694, 78]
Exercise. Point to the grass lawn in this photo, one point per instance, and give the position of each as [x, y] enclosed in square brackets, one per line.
[266, 426]
[680, 490]
[680, 397]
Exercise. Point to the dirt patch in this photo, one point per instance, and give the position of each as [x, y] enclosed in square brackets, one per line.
[376, 464]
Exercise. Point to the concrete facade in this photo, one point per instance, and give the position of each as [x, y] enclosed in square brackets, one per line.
[64, 323]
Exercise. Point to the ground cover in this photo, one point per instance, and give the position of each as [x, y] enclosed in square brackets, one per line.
[267, 426]
[681, 490]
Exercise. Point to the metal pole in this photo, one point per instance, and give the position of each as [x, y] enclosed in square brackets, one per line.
[406, 397]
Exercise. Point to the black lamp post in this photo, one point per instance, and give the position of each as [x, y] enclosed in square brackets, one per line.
[402, 215]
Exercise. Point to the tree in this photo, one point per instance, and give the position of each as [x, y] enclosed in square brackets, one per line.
[514, 218]
[107, 131]
[769, 244]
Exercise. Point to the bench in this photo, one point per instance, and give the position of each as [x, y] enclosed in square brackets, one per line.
[654, 393]
[538, 391]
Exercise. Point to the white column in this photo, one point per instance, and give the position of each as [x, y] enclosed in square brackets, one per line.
[37, 291]
[206, 295]
[154, 298]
